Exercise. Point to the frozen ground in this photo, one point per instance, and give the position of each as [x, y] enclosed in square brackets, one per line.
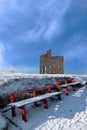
[69, 114]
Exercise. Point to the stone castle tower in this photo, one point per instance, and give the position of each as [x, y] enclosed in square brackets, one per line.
[51, 65]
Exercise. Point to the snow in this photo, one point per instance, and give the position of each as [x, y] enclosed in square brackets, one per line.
[72, 114]
[3, 122]
[68, 114]
[19, 81]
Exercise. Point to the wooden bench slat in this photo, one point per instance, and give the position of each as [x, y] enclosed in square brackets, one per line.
[38, 98]
[69, 84]
[34, 99]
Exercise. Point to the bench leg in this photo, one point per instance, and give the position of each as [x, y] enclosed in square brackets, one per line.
[13, 112]
[23, 112]
[59, 97]
[66, 91]
[49, 90]
[73, 88]
[34, 95]
[11, 98]
[45, 104]
[35, 104]
[58, 88]
[12, 109]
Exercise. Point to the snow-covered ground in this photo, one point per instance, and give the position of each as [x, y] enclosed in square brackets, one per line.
[3, 122]
[68, 114]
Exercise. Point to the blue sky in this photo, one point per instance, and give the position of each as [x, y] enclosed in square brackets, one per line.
[29, 27]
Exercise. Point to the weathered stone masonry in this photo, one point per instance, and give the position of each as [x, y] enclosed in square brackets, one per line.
[51, 65]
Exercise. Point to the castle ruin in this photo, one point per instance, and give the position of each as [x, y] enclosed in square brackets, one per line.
[51, 65]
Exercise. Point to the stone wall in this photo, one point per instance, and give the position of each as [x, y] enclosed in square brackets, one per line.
[51, 65]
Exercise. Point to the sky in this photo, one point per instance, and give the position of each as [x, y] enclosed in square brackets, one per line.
[29, 28]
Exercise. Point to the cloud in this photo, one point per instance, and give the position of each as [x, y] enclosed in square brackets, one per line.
[78, 52]
[1, 54]
[3, 61]
[32, 21]
[62, 23]
[25, 69]
[76, 48]
[7, 66]
[49, 20]
[75, 54]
